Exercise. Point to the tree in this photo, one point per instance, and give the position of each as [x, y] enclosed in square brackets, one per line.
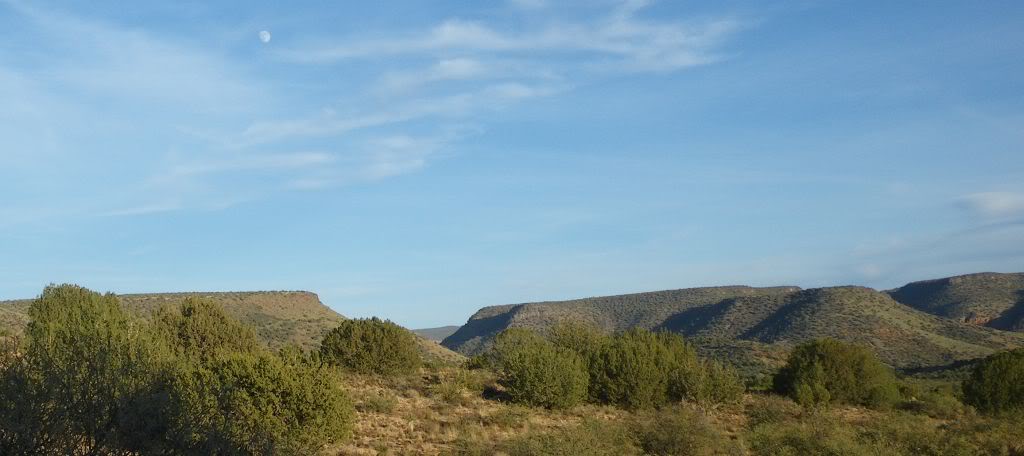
[83, 362]
[257, 403]
[371, 346]
[997, 383]
[199, 328]
[826, 370]
[537, 373]
[634, 370]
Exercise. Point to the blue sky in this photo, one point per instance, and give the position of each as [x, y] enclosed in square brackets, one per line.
[419, 160]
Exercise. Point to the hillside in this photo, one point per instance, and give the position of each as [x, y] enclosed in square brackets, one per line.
[988, 299]
[610, 313]
[280, 317]
[436, 334]
[757, 324]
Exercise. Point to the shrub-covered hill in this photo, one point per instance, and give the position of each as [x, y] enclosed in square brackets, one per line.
[279, 317]
[989, 299]
[756, 324]
[610, 313]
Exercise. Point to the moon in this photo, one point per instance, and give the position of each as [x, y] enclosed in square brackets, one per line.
[264, 36]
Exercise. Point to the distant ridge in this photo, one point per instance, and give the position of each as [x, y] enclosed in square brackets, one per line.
[436, 334]
[989, 299]
[757, 324]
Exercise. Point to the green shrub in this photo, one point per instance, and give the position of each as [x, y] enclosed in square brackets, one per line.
[200, 329]
[997, 383]
[84, 361]
[709, 383]
[636, 369]
[592, 438]
[257, 403]
[584, 339]
[680, 432]
[535, 372]
[371, 346]
[826, 370]
[93, 380]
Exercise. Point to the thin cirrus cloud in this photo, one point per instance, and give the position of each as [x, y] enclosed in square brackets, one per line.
[994, 204]
[620, 40]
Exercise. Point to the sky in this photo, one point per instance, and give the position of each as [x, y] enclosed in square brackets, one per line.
[419, 160]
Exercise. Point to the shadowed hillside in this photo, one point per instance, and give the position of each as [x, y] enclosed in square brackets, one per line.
[755, 325]
[610, 313]
[989, 299]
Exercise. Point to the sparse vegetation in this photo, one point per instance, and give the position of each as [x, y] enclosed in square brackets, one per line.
[89, 377]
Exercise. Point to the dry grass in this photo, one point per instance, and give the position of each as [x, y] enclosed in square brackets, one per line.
[427, 418]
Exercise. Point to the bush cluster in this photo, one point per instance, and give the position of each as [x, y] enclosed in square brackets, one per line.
[536, 372]
[91, 379]
[997, 383]
[828, 371]
[637, 369]
[371, 346]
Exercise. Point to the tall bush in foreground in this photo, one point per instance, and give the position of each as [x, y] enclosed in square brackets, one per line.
[257, 403]
[997, 383]
[642, 369]
[535, 372]
[371, 346]
[91, 379]
[826, 370]
[83, 361]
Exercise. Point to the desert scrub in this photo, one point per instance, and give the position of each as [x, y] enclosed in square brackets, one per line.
[680, 431]
[371, 346]
[383, 402]
[593, 437]
[771, 409]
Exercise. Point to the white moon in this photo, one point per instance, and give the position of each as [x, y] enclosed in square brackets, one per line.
[265, 36]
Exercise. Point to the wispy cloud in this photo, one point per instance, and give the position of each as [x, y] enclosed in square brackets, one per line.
[994, 204]
[620, 40]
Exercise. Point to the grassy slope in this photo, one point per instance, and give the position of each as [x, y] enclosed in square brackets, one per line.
[989, 299]
[756, 326]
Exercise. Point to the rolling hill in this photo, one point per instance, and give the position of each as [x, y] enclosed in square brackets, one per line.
[988, 299]
[740, 321]
[280, 317]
